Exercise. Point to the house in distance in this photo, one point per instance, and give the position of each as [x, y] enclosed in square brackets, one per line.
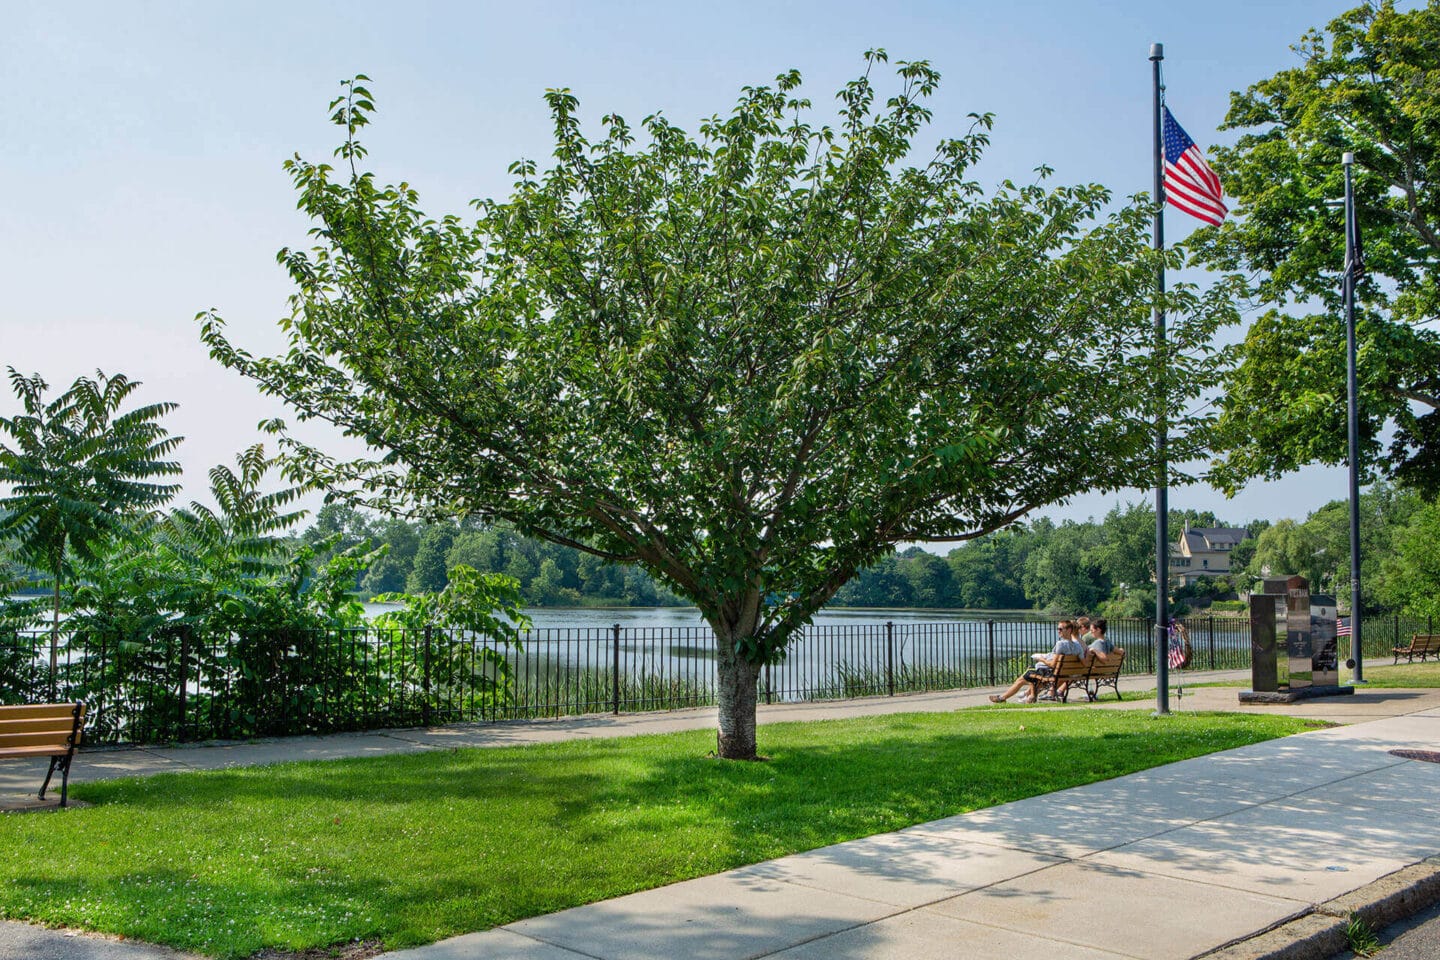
[1203, 552]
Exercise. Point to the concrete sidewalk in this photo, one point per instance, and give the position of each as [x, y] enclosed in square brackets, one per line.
[1171, 862]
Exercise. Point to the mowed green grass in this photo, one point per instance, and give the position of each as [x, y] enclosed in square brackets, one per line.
[1398, 677]
[410, 849]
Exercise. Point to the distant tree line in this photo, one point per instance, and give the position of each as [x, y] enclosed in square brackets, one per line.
[1100, 566]
[419, 557]
[1108, 566]
[1105, 566]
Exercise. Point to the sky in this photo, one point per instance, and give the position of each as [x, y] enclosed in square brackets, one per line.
[142, 145]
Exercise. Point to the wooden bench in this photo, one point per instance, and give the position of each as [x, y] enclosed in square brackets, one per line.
[43, 730]
[1089, 674]
[1422, 645]
[1106, 674]
[1069, 670]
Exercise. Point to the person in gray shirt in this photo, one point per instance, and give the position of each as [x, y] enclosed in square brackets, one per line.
[1066, 645]
[1100, 649]
[1100, 646]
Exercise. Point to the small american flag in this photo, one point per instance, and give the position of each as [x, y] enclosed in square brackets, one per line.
[1177, 655]
[1190, 184]
[1342, 627]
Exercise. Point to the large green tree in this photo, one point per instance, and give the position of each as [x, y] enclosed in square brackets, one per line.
[76, 472]
[1368, 83]
[750, 360]
[1412, 569]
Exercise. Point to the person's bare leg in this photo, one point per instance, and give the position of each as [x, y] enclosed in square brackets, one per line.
[1014, 689]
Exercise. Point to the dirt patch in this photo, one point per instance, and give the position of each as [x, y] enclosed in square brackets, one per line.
[1429, 756]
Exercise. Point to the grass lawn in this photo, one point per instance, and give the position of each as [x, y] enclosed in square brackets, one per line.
[410, 849]
[1404, 675]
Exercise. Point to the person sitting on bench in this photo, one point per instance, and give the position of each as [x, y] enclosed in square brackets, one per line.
[1067, 645]
[1100, 649]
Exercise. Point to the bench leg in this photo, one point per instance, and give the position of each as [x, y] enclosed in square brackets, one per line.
[65, 780]
[48, 774]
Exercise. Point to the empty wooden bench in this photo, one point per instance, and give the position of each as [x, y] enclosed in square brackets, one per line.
[1422, 645]
[43, 730]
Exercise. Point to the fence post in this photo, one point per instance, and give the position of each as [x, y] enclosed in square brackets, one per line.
[1154, 641]
[615, 669]
[990, 644]
[1397, 629]
[767, 682]
[1211, 618]
[425, 679]
[890, 657]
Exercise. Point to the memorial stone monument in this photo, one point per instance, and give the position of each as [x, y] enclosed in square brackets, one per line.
[1311, 655]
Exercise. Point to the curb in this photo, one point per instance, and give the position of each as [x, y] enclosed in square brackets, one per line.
[1320, 933]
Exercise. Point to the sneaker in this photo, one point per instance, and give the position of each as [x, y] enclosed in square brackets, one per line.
[1047, 696]
[995, 698]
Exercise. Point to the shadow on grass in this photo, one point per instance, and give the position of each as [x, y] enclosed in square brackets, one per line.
[416, 847]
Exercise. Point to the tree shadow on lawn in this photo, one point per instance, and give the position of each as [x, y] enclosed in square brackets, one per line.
[430, 845]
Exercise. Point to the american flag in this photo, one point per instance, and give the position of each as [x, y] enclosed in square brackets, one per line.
[1342, 627]
[1190, 184]
[1177, 655]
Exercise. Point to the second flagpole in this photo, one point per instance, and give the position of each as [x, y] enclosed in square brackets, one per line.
[1162, 505]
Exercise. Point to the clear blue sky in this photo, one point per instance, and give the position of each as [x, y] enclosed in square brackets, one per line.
[141, 143]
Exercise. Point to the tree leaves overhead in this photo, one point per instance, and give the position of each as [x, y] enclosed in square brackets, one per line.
[750, 359]
[1370, 84]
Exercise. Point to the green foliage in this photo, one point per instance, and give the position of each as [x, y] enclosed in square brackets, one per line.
[454, 667]
[1360, 937]
[1412, 572]
[80, 473]
[1367, 84]
[428, 575]
[750, 361]
[1318, 548]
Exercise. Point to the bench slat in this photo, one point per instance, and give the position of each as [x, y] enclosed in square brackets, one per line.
[12, 752]
[47, 738]
[33, 711]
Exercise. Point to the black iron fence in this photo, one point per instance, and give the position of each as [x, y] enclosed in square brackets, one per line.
[177, 686]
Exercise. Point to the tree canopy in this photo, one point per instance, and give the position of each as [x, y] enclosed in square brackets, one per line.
[749, 360]
[77, 471]
[1369, 83]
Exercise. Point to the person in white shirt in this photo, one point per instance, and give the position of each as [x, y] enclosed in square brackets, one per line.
[1066, 645]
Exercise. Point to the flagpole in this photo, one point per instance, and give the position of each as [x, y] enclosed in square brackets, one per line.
[1357, 672]
[1162, 506]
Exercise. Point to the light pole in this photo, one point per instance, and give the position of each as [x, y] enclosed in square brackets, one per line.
[1352, 270]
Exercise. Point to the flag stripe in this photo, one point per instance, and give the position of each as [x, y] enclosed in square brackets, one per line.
[1190, 184]
[1196, 198]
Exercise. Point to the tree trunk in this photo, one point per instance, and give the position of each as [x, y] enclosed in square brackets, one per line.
[736, 678]
[55, 642]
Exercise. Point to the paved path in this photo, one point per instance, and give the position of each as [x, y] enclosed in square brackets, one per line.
[1167, 863]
